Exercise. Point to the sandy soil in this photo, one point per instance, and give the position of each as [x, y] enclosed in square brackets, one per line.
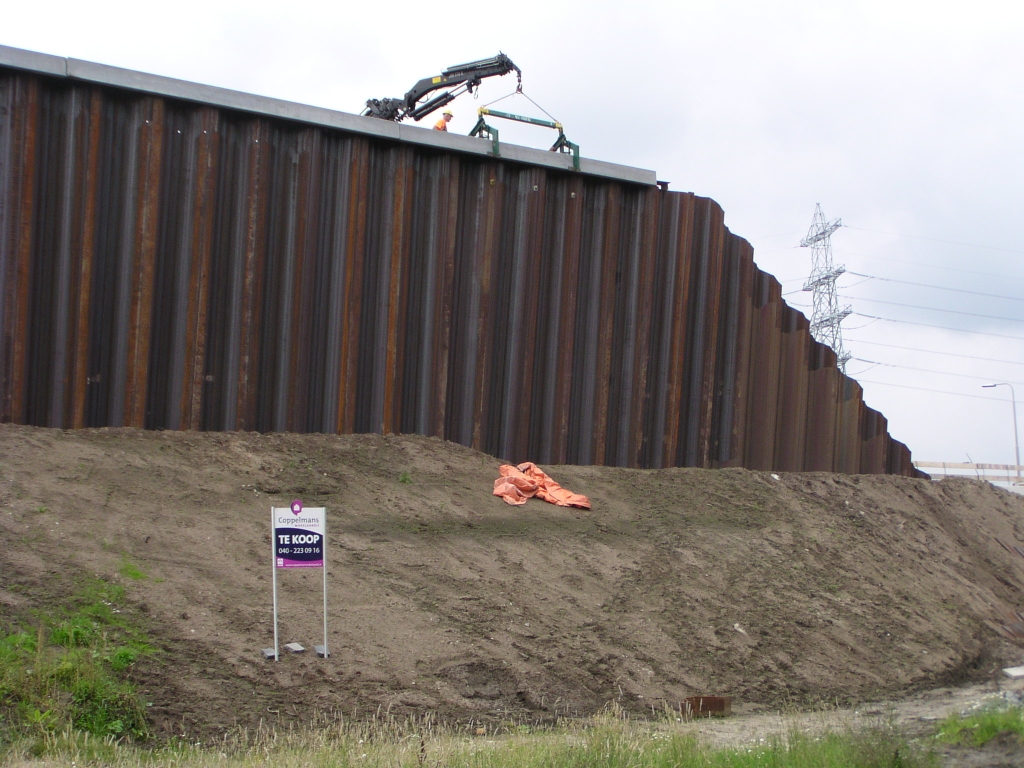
[781, 591]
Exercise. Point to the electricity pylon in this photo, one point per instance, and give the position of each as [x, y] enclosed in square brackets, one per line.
[826, 314]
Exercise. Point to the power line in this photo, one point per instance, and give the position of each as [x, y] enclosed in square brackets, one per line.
[925, 325]
[903, 261]
[937, 391]
[858, 374]
[860, 282]
[870, 322]
[925, 285]
[914, 306]
[930, 370]
[791, 233]
[854, 285]
[935, 352]
[933, 266]
[900, 261]
[941, 327]
[934, 309]
[776, 250]
[937, 240]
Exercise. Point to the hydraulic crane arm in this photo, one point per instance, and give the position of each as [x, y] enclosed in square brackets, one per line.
[465, 77]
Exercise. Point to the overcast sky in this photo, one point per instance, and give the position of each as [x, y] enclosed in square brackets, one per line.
[904, 119]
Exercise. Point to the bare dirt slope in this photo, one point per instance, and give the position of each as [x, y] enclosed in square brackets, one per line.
[809, 587]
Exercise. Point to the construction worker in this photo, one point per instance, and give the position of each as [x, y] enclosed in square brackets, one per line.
[442, 124]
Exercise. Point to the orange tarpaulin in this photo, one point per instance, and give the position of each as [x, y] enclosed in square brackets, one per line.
[517, 484]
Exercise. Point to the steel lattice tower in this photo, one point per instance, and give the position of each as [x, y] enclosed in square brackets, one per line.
[826, 315]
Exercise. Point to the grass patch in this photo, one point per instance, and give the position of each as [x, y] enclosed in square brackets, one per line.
[65, 671]
[131, 571]
[617, 748]
[604, 742]
[405, 478]
[979, 728]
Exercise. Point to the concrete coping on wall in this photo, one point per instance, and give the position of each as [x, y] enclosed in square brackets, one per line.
[102, 74]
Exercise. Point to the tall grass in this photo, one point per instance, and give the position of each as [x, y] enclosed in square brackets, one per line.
[600, 743]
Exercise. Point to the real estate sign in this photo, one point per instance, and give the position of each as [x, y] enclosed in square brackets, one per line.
[298, 540]
[299, 536]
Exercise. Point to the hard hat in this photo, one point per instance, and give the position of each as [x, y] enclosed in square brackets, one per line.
[448, 112]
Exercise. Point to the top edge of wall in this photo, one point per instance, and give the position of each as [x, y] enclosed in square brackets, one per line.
[102, 74]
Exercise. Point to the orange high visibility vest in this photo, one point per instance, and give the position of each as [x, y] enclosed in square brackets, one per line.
[441, 125]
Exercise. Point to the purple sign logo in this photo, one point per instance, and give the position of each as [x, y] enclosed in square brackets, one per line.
[297, 507]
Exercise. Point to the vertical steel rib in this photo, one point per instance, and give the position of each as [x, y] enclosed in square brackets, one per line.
[7, 248]
[666, 261]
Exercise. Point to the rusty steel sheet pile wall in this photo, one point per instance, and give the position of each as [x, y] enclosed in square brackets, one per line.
[170, 264]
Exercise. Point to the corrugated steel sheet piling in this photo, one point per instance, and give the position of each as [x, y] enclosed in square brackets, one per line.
[175, 256]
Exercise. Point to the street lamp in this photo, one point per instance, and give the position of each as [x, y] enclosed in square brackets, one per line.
[1013, 397]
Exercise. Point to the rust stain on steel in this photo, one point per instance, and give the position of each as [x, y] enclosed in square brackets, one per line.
[706, 377]
[195, 305]
[563, 241]
[822, 391]
[764, 373]
[791, 426]
[168, 264]
[707, 706]
[735, 422]
[135, 289]
[680, 246]
[21, 144]
[80, 375]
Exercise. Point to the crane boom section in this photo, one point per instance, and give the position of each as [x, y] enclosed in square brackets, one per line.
[462, 77]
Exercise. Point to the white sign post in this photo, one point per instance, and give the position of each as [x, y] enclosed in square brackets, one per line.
[298, 540]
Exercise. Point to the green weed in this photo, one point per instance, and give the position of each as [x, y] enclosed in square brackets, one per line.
[74, 632]
[68, 673]
[405, 478]
[131, 571]
[981, 727]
